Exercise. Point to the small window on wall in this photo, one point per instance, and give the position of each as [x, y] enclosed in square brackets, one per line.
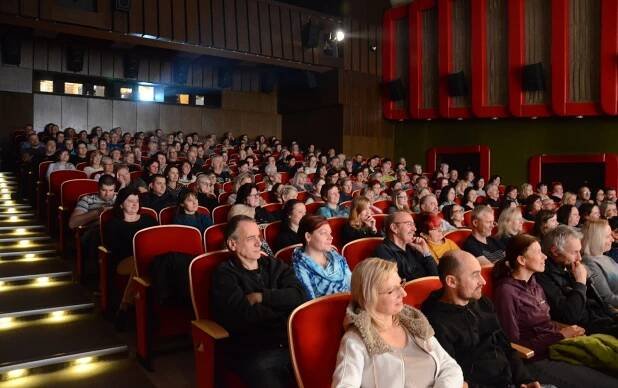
[99, 90]
[146, 93]
[199, 100]
[46, 86]
[126, 93]
[73, 88]
[183, 99]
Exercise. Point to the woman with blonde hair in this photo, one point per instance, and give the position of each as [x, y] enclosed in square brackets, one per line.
[400, 202]
[387, 343]
[597, 240]
[361, 223]
[569, 199]
[239, 180]
[510, 223]
[525, 190]
[95, 163]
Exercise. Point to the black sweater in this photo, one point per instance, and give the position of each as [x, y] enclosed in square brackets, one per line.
[119, 235]
[286, 237]
[262, 325]
[472, 335]
[349, 233]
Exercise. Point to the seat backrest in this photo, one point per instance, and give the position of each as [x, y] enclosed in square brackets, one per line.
[302, 196]
[157, 240]
[272, 207]
[488, 288]
[261, 186]
[222, 198]
[285, 254]
[71, 190]
[419, 289]
[358, 250]
[135, 175]
[271, 231]
[528, 227]
[200, 276]
[285, 177]
[383, 205]
[314, 330]
[227, 187]
[219, 214]
[467, 221]
[43, 167]
[57, 178]
[346, 204]
[380, 221]
[214, 237]
[81, 166]
[458, 236]
[313, 207]
[336, 225]
[480, 200]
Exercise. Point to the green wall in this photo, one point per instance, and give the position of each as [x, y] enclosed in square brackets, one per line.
[512, 141]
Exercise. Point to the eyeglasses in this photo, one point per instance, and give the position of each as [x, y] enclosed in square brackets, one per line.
[399, 287]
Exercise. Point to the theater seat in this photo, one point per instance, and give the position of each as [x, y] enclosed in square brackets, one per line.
[214, 237]
[302, 196]
[358, 250]
[528, 227]
[380, 221]
[272, 207]
[418, 290]
[271, 231]
[336, 225]
[467, 221]
[313, 207]
[458, 236]
[205, 331]
[488, 288]
[383, 205]
[56, 179]
[219, 214]
[314, 330]
[153, 319]
[223, 197]
[285, 254]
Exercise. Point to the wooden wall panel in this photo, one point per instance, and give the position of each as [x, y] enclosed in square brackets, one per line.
[585, 40]
[143, 71]
[74, 112]
[308, 56]
[364, 47]
[297, 43]
[218, 27]
[46, 109]
[286, 34]
[151, 18]
[107, 64]
[94, 62]
[355, 44]
[429, 58]
[207, 75]
[125, 114]
[136, 18]
[231, 42]
[275, 31]
[100, 113]
[147, 116]
[9, 6]
[118, 66]
[538, 44]
[29, 8]
[154, 70]
[497, 52]
[205, 23]
[461, 38]
[190, 118]
[40, 54]
[15, 79]
[196, 75]
[242, 25]
[179, 32]
[54, 58]
[211, 121]
[166, 72]
[169, 116]
[255, 45]
[264, 15]
[27, 53]
[165, 19]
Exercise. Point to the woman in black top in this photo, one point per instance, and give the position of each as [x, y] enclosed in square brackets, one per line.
[248, 195]
[292, 212]
[361, 223]
[205, 190]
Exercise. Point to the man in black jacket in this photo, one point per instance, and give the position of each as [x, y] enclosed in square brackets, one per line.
[412, 254]
[468, 328]
[572, 298]
[252, 297]
[158, 197]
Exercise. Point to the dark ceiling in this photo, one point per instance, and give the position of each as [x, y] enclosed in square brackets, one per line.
[331, 7]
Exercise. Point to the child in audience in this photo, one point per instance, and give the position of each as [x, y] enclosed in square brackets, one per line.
[188, 213]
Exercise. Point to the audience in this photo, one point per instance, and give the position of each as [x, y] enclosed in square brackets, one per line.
[430, 228]
[331, 208]
[454, 215]
[158, 197]
[62, 163]
[480, 243]
[568, 215]
[293, 211]
[188, 214]
[545, 221]
[361, 222]
[387, 343]
[598, 239]
[510, 223]
[248, 195]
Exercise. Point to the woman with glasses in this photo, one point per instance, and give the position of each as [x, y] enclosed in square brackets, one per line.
[430, 228]
[205, 190]
[318, 266]
[400, 202]
[248, 195]
[454, 214]
[387, 343]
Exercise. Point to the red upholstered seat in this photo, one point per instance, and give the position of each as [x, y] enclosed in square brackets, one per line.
[488, 288]
[56, 179]
[42, 186]
[358, 250]
[419, 289]
[204, 330]
[153, 319]
[285, 177]
[271, 231]
[223, 197]
[272, 207]
[302, 196]
[528, 227]
[346, 204]
[166, 215]
[313, 207]
[336, 225]
[135, 175]
[467, 221]
[314, 331]
[214, 237]
[227, 187]
[285, 254]
[219, 214]
[458, 236]
[380, 221]
[383, 205]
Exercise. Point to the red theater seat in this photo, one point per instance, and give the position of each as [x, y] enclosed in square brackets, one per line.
[383, 205]
[313, 207]
[214, 237]
[458, 236]
[358, 250]
[336, 225]
[380, 221]
[419, 289]
[488, 288]
[302, 196]
[219, 214]
[272, 207]
[56, 179]
[467, 221]
[314, 331]
[152, 319]
[271, 231]
[528, 227]
[285, 254]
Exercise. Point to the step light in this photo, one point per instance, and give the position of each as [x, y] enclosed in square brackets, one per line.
[42, 281]
[6, 322]
[11, 210]
[58, 315]
[6, 196]
[24, 243]
[16, 373]
[13, 218]
[20, 231]
[9, 203]
[4, 191]
[30, 257]
[83, 361]
[3, 185]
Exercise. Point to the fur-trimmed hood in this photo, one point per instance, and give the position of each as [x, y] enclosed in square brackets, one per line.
[410, 318]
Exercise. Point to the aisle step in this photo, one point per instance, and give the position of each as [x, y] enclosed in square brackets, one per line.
[22, 271]
[44, 298]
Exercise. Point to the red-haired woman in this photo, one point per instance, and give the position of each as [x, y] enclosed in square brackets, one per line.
[430, 228]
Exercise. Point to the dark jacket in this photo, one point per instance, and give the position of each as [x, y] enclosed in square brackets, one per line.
[574, 303]
[263, 325]
[411, 264]
[349, 233]
[472, 335]
[157, 203]
[286, 237]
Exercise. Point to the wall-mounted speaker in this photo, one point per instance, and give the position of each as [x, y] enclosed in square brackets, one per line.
[533, 78]
[311, 35]
[224, 78]
[131, 66]
[395, 90]
[75, 59]
[180, 72]
[457, 85]
[11, 50]
[122, 5]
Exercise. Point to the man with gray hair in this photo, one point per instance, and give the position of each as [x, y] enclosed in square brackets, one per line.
[429, 204]
[572, 299]
[480, 243]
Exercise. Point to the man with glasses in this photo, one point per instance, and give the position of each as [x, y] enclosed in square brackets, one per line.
[412, 254]
[480, 243]
[253, 296]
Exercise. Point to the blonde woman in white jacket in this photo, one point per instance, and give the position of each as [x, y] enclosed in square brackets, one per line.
[388, 344]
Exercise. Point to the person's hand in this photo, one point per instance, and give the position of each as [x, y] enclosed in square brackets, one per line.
[534, 384]
[579, 272]
[370, 222]
[572, 331]
[254, 297]
[420, 245]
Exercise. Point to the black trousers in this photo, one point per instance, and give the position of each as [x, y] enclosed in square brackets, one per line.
[269, 368]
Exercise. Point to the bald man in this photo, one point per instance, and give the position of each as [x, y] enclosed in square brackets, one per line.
[468, 328]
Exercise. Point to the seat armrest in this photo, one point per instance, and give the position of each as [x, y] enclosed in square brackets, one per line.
[212, 328]
[523, 351]
[103, 249]
[142, 281]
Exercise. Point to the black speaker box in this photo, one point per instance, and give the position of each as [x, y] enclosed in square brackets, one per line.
[533, 78]
[75, 59]
[181, 71]
[122, 5]
[11, 50]
[395, 90]
[311, 35]
[131, 66]
[457, 85]
[224, 78]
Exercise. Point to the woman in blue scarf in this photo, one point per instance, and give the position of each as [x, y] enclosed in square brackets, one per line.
[318, 266]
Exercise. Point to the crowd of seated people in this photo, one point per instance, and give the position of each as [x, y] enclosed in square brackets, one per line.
[310, 186]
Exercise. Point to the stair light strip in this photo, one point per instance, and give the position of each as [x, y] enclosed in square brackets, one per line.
[65, 358]
[16, 373]
[13, 218]
[43, 311]
[49, 277]
[6, 196]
